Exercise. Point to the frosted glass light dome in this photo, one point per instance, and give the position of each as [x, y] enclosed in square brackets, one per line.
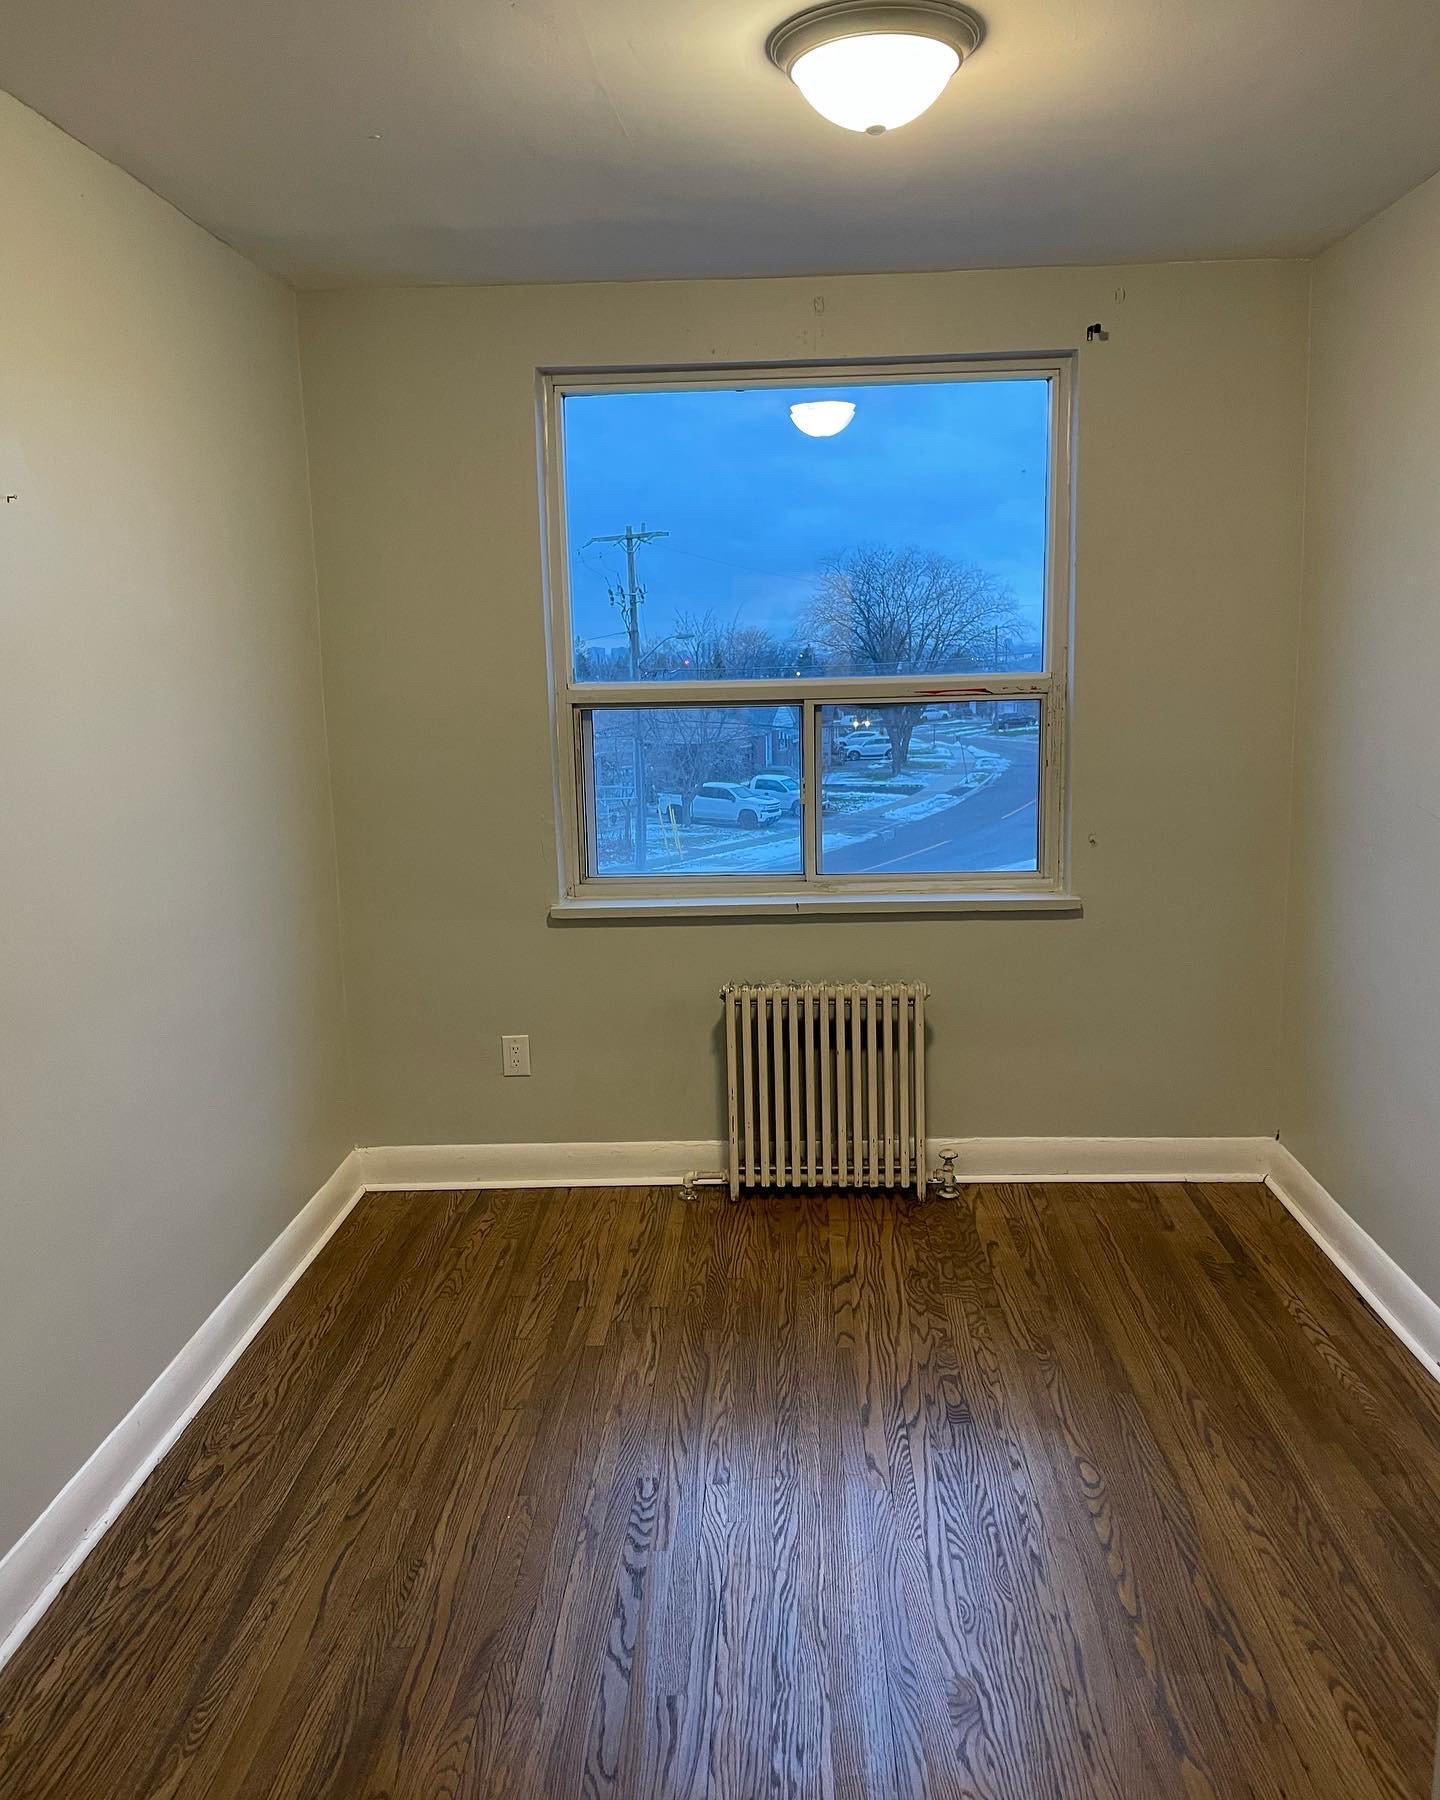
[871, 65]
[874, 83]
[822, 418]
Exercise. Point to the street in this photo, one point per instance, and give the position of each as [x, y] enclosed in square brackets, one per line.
[992, 827]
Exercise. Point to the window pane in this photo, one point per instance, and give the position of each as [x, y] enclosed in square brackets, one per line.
[711, 536]
[924, 790]
[695, 790]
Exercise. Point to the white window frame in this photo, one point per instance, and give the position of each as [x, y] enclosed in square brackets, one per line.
[1044, 889]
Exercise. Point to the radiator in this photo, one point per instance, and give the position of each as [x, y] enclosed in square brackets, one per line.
[827, 1085]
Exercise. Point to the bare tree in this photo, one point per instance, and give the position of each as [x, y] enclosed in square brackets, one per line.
[686, 745]
[607, 662]
[706, 647]
[881, 610]
[701, 647]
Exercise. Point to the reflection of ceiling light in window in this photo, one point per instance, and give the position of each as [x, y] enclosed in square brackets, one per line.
[822, 418]
[871, 65]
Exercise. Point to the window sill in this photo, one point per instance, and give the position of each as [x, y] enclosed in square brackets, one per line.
[763, 906]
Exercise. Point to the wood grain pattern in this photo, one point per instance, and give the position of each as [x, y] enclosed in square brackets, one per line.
[1115, 1493]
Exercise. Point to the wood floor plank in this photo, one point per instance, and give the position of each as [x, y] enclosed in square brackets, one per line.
[1072, 1493]
[205, 1530]
[349, 1555]
[1321, 1566]
[1214, 1541]
[1147, 1595]
[992, 1575]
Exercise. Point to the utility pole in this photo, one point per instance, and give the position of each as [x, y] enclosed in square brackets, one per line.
[629, 603]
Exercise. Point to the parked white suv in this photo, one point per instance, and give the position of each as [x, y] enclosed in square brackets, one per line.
[864, 746]
[730, 803]
[776, 785]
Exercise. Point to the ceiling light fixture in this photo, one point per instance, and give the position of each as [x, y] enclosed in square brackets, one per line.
[871, 65]
[822, 418]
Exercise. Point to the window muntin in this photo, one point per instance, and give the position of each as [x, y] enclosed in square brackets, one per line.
[818, 846]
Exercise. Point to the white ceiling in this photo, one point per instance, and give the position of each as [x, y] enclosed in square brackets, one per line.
[526, 140]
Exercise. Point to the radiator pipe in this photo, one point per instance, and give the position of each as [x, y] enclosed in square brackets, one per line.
[698, 1178]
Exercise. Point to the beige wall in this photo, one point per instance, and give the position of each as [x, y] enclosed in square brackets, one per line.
[171, 1067]
[1157, 1012]
[1362, 1015]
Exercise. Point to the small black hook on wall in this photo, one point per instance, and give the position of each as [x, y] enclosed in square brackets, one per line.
[1092, 332]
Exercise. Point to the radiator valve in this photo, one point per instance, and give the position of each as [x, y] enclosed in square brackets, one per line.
[946, 1187]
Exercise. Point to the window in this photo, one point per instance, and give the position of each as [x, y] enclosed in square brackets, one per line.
[808, 633]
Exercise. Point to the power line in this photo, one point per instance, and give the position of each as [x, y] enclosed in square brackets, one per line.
[722, 562]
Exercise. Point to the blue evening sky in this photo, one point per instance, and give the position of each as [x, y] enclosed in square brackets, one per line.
[753, 507]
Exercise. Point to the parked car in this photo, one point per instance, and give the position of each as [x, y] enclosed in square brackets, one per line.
[731, 803]
[863, 746]
[936, 715]
[776, 785]
[1015, 720]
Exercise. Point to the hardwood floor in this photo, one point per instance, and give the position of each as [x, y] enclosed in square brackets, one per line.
[1105, 1492]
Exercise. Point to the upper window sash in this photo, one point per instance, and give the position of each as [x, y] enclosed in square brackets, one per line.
[706, 606]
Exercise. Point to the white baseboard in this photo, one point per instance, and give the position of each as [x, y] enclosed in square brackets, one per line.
[663, 1162]
[1401, 1303]
[38, 1566]
[642, 1164]
[1106, 1158]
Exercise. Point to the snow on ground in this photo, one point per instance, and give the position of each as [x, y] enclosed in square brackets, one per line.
[853, 790]
[776, 848]
[926, 808]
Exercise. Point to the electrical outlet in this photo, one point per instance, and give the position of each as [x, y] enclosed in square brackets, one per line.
[515, 1055]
